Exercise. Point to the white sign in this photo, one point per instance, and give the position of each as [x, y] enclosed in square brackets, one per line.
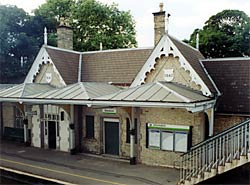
[168, 74]
[48, 77]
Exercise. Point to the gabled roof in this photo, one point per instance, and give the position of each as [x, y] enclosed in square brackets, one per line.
[189, 59]
[157, 92]
[119, 66]
[23, 90]
[66, 62]
[193, 56]
[78, 91]
[232, 77]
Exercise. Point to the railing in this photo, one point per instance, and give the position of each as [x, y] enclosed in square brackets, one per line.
[216, 151]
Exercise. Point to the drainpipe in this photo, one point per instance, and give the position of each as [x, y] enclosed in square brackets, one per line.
[132, 137]
[72, 131]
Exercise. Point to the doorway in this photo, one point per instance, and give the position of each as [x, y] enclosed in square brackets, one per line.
[52, 134]
[111, 137]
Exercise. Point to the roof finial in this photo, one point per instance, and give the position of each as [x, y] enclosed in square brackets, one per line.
[100, 46]
[161, 7]
[197, 40]
[45, 36]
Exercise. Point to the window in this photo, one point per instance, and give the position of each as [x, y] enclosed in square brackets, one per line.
[128, 131]
[90, 127]
[168, 137]
[18, 118]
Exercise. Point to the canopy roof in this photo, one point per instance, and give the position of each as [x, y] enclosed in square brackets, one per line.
[78, 91]
[158, 91]
[158, 94]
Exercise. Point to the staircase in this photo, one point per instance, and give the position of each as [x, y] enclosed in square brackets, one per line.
[216, 155]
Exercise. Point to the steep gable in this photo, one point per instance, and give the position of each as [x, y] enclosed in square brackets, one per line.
[188, 66]
[43, 70]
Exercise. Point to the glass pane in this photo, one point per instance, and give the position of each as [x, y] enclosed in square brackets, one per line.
[154, 139]
[167, 140]
[181, 141]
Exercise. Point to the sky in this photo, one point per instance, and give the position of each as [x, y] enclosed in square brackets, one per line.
[186, 15]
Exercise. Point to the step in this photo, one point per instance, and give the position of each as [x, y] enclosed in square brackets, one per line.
[214, 171]
[187, 182]
[228, 166]
[243, 160]
[221, 169]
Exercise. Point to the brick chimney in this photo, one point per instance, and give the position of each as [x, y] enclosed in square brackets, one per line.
[64, 35]
[159, 24]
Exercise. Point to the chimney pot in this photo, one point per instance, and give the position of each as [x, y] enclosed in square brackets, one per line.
[161, 7]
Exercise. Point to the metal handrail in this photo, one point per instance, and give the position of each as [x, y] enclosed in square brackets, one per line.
[216, 151]
[219, 135]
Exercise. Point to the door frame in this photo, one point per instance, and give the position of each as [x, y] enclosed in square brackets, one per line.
[115, 120]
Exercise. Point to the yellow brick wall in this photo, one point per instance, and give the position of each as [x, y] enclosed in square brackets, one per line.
[180, 75]
[167, 116]
[223, 122]
[96, 145]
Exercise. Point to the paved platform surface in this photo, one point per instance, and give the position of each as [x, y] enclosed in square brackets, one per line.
[81, 169]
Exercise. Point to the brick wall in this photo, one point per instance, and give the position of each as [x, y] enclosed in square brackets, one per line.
[223, 122]
[167, 116]
[180, 75]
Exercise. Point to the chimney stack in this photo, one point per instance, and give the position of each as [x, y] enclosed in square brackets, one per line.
[64, 35]
[159, 24]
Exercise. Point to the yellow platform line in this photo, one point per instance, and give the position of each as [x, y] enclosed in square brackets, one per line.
[61, 172]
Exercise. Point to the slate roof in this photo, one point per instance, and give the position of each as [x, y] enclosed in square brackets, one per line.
[232, 77]
[66, 62]
[193, 56]
[116, 66]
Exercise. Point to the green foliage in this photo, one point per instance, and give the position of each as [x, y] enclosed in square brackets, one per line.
[93, 23]
[14, 42]
[226, 34]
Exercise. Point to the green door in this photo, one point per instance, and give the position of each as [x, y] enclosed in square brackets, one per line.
[111, 138]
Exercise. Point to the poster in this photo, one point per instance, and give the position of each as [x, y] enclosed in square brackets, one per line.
[167, 141]
[154, 139]
[181, 141]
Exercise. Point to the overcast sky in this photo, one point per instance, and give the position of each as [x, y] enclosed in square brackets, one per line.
[186, 15]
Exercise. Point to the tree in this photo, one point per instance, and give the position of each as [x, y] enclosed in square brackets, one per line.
[15, 43]
[93, 23]
[226, 34]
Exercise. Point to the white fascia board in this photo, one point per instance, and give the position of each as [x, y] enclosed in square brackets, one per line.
[210, 78]
[189, 106]
[193, 74]
[149, 64]
[42, 58]
[166, 44]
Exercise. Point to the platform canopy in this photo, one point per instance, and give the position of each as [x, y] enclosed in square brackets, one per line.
[157, 94]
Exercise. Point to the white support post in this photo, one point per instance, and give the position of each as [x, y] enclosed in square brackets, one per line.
[72, 131]
[132, 137]
[211, 122]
